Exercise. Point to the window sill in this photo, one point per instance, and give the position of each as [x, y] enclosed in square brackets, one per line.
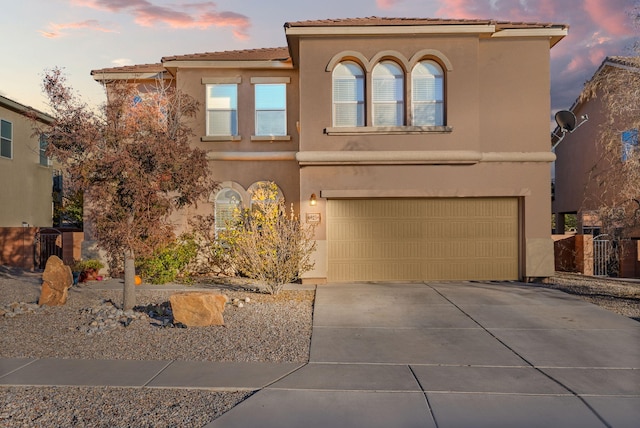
[271, 138]
[388, 130]
[221, 138]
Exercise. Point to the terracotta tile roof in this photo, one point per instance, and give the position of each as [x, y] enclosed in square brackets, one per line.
[378, 21]
[138, 68]
[630, 61]
[265, 54]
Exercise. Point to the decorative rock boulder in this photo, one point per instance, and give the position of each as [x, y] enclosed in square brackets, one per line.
[56, 280]
[198, 308]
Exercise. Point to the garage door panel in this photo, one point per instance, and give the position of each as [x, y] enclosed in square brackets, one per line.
[423, 239]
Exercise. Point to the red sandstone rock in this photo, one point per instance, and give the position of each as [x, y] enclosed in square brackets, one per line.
[56, 280]
[198, 308]
[51, 297]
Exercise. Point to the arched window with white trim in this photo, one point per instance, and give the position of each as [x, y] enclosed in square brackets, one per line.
[388, 94]
[227, 201]
[348, 94]
[427, 94]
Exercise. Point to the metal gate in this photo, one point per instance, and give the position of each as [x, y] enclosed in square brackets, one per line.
[601, 255]
[48, 242]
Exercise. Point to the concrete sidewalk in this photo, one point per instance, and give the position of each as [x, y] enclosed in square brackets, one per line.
[403, 355]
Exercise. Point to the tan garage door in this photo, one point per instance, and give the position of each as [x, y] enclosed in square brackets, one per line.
[422, 239]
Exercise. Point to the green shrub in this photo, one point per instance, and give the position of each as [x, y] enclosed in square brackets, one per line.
[84, 265]
[169, 263]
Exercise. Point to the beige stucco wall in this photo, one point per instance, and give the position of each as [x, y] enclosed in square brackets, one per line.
[26, 185]
[497, 97]
[246, 161]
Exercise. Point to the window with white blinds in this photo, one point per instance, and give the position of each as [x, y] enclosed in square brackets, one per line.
[222, 109]
[388, 94]
[271, 109]
[348, 95]
[227, 201]
[427, 94]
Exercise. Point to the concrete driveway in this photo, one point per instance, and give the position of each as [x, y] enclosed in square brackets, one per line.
[464, 354]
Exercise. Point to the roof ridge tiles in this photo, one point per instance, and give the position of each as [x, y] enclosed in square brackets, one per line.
[253, 54]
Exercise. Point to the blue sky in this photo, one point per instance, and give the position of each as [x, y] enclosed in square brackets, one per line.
[82, 35]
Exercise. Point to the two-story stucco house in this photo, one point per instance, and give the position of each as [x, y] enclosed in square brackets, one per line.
[418, 147]
[581, 157]
[25, 170]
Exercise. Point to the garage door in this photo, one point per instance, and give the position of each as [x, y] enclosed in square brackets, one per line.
[422, 239]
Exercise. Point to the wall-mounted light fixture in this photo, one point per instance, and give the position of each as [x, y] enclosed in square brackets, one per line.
[313, 200]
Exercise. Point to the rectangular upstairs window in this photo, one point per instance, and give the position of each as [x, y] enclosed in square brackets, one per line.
[6, 139]
[271, 109]
[629, 143]
[222, 109]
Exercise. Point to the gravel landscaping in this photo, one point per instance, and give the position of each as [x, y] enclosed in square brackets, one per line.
[617, 295]
[266, 329]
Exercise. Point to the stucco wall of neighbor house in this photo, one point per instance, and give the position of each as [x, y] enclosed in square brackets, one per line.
[497, 98]
[17, 246]
[26, 185]
[579, 160]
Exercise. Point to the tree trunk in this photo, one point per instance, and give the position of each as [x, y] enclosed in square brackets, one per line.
[129, 288]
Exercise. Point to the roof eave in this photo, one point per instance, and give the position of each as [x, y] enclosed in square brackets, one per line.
[100, 76]
[26, 110]
[555, 33]
[277, 64]
[370, 30]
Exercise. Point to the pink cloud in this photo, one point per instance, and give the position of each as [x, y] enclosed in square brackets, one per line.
[598, 28]
[56, 30]
[611, 15]
[387, 4]
[463, 9]
[200, 15]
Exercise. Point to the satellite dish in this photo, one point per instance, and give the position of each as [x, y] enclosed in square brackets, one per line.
[566, 120]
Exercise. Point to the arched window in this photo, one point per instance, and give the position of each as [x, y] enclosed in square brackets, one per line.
[227, 200]
[388, 94]
[427, 94]
[348, 94]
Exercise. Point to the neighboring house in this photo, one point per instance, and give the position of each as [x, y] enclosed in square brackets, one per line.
[25, 170]
[580, 157]
[419, 147]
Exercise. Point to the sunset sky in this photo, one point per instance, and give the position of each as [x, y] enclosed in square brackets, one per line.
[82, 35]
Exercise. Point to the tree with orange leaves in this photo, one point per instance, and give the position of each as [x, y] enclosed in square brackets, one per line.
[132, 160]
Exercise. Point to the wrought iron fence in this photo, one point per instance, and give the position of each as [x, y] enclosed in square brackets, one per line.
[601, 255]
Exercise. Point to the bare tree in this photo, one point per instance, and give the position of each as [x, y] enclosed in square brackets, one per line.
[133, 161]
[614, 182]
